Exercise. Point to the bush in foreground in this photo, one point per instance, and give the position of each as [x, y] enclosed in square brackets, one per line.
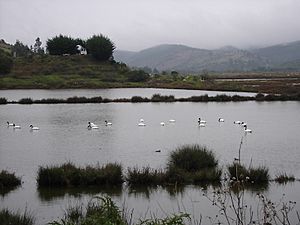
[11, 218]
[102, 210]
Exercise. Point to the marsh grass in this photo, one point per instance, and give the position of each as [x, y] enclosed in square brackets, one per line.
[192, 158]
[8, 217]
[8, 180]
[100, 210]
[67, 175]
[283, 178]
[145, 176]
[259, 175]
[3, 101]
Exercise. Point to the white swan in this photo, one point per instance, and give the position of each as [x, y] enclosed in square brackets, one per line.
[33, 128]
[172, 121]
[107, 123]
[162, 123]
[16, 126]
[9, 124]
[202, 125]
[142, 120]
[141, 124]
[92, 126]
[221, 120]
[237, 122]
[247, 130]
[201, 121]
[244, 124]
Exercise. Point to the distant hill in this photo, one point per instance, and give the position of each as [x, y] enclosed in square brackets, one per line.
[280, 54]
[186, 59]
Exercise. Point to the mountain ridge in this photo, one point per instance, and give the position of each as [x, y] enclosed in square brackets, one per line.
[168, 57]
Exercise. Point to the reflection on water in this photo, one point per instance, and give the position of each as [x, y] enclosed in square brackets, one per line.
[51, 194]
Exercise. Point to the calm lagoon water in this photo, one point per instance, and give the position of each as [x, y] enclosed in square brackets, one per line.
[63, 137]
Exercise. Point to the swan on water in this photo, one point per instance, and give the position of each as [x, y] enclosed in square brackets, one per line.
[16, 126]
[247, 130]
[92, 126]
[162, 123]
[201, 121]
[172, 121]
[237, 122]
[142, 120]
[221, 120]
[244, 124]
[107, 123]
[141, 124]
[33, 128]
[9, 124]
[202, 125]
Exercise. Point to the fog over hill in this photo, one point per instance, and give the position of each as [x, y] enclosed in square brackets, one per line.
[186, 59]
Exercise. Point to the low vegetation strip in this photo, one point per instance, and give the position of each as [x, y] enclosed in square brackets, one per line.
[156, 98]
[68, 175]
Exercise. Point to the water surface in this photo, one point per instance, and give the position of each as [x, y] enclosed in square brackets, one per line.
[63, 137]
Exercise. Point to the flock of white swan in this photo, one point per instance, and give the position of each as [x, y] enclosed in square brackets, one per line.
[201, 123]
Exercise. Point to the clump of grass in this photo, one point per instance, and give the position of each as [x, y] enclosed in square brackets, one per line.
[258, 175]
[8, 180]
[3, 101]
[8, 217]
[162, 98]
[192, 158]
[25, 101]
[193, 164]
[207, 175]
[282, 178]
[68, 175]
[145, 176]
[139, 99]
[100, 211]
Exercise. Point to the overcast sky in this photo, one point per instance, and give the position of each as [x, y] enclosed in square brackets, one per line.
[138, 24]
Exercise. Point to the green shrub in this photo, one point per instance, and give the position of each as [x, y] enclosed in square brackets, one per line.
[6, 62]
[192, 158]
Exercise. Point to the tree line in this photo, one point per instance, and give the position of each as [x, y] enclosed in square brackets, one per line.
[99, 47]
